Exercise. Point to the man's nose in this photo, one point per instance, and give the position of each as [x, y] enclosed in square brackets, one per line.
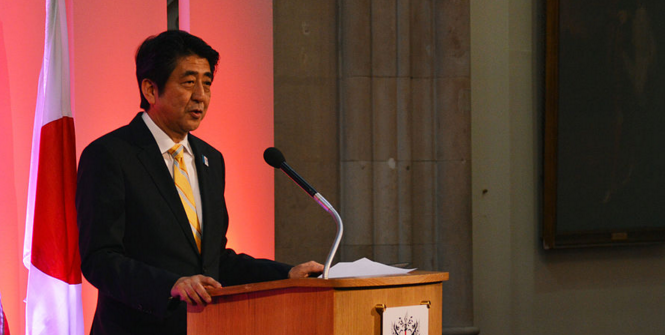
[199, 93]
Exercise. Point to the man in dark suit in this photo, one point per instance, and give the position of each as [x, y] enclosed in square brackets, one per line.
[149, 241]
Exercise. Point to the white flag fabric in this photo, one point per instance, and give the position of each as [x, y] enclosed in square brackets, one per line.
[50, 250]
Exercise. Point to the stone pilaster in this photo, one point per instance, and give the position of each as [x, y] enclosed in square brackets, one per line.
[402, 113]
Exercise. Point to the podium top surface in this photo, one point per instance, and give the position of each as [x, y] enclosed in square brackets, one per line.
[412, 278]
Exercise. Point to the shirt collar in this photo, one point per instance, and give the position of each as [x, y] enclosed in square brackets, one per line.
[163, 140]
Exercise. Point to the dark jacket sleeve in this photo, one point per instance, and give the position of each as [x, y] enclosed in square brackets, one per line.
[102, 219]
[234, 268]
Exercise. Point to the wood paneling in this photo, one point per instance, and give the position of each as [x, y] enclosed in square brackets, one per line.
[315, 306]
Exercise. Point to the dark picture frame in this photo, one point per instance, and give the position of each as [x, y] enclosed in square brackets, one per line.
[604, 124]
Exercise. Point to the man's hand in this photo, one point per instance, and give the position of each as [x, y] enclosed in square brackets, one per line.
[192, 290]
[305, 270]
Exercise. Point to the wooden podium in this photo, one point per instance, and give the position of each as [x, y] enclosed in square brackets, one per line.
[315, 306]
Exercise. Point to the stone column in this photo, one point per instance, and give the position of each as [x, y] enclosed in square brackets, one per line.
[452, 87]
[403, 118]
[356, 182]
[306, 125]
[405, 137]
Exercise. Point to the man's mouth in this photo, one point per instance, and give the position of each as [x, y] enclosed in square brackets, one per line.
[196, 112]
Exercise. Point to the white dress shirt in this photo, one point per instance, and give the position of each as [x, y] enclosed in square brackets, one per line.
[165, 143]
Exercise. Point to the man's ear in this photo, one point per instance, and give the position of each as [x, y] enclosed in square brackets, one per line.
[149, 90]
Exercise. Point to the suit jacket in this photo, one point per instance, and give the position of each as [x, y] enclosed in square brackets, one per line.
[135, 239]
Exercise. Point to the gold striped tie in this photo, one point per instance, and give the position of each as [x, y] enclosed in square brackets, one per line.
[181, 179]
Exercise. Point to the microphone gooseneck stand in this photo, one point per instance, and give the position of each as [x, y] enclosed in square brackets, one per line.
[340, 230]
[276, 159]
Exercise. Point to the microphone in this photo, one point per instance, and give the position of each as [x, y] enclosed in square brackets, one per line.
[276, 159]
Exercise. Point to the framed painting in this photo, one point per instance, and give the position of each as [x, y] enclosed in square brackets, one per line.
[604, 131]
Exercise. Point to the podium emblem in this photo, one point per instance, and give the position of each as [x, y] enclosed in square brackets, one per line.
[407, 320]
[406, 326]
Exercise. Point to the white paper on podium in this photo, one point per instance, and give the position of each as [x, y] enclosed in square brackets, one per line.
[363, 268]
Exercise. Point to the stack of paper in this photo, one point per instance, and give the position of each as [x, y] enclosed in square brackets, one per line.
[364, 268]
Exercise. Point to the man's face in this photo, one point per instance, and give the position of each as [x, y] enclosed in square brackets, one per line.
[184, 101]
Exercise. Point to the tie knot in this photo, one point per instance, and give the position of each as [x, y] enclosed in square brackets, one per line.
[176, 151]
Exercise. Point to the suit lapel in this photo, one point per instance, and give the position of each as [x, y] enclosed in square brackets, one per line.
[153, 162]
[203, 174]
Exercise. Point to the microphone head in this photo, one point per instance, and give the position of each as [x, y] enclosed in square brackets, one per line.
[274, 157]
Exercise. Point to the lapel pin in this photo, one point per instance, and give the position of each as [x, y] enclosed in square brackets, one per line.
[205, 160]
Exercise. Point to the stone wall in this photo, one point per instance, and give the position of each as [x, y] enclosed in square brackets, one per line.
[372, 106]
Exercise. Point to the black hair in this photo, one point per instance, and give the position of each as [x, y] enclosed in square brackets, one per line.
[158, 56]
